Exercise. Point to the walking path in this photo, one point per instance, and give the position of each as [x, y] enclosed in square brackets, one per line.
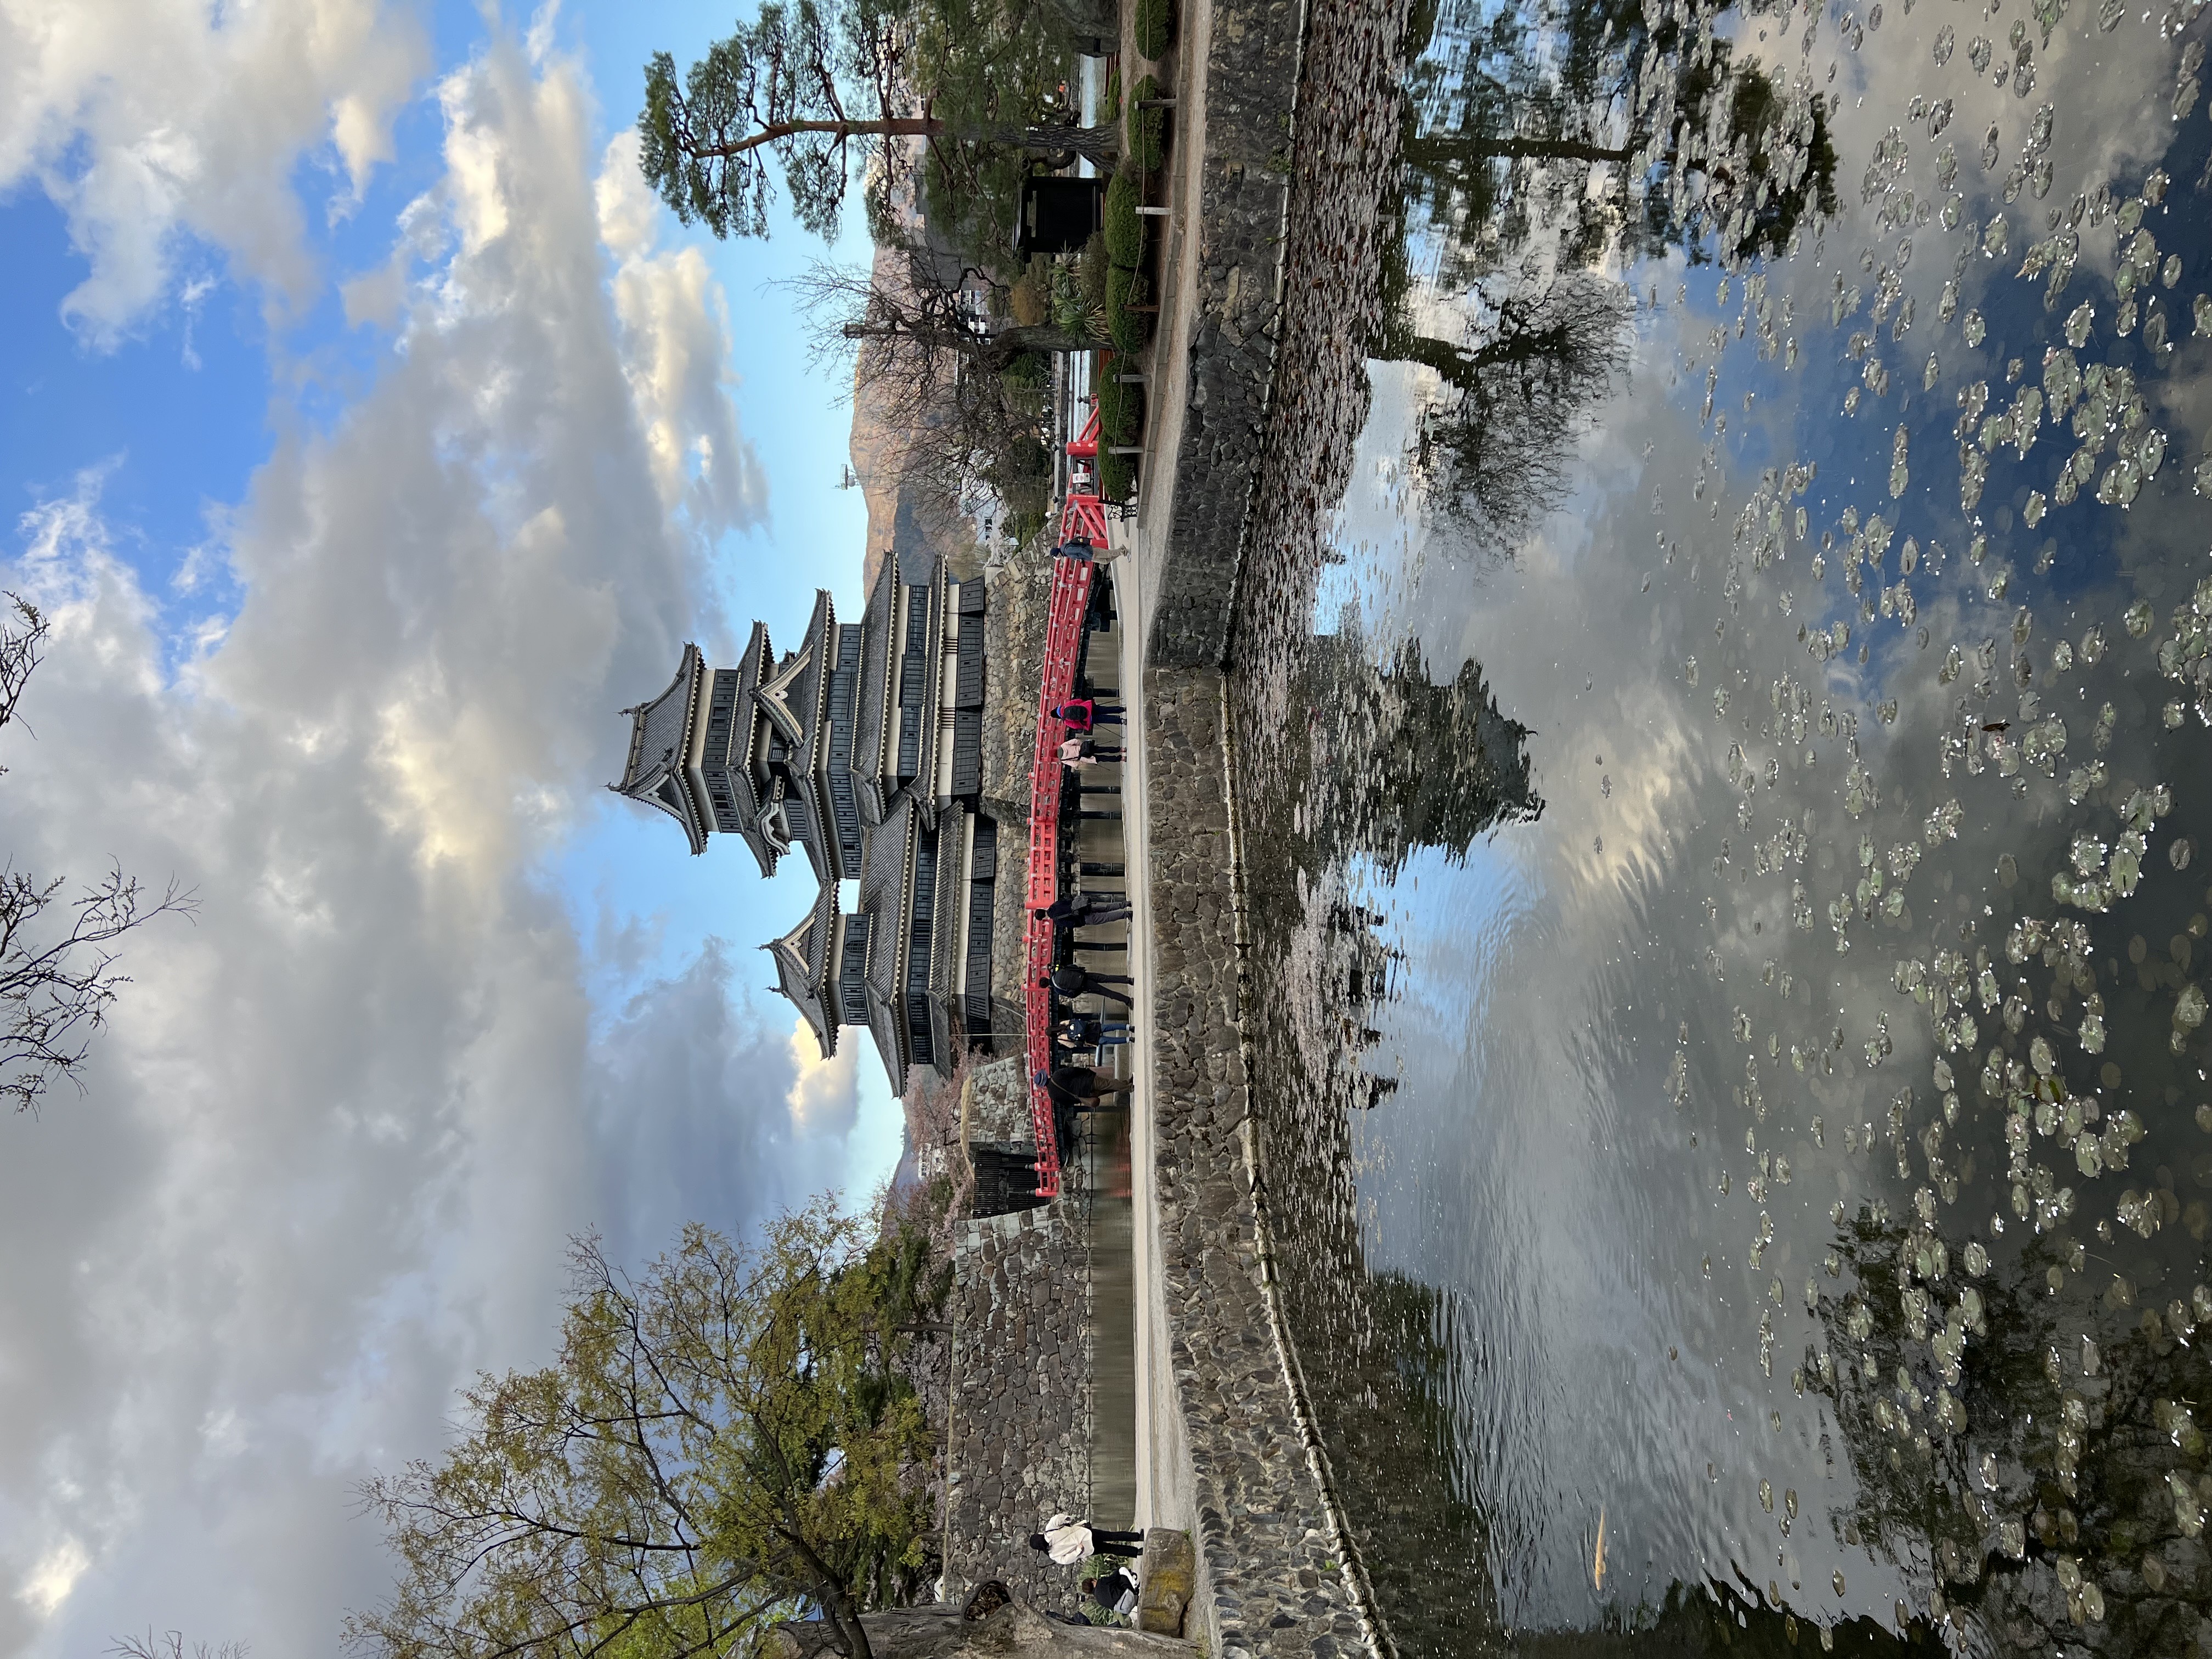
[1166, 1493]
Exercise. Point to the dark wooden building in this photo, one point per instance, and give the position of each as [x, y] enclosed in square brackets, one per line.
[863, 747]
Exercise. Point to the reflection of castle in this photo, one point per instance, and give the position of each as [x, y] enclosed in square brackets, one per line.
[863, 746]
[1414, 764]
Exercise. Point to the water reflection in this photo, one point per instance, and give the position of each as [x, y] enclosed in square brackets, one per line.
[1747, 818]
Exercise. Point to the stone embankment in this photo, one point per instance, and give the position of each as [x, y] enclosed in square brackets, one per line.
[1286, 113]
[1292, 113]
[1272, 1578]
[1222, 296]
[1017, 1442]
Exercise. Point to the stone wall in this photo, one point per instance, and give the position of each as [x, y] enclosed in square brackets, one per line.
[1016, 1441]
[994, 1103]
[1250, 70]
[1270, 1577]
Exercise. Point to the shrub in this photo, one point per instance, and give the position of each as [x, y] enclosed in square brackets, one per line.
[1125, 327]
[1153, 27]
[1121, 408]
[1144, 130]
[1090, 274]
[1024, 372]
[1117, 477]
[1112, 113]
[1124, 226]
[1030, 307]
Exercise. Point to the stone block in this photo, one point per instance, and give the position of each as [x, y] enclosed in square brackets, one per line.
[1170, 1580]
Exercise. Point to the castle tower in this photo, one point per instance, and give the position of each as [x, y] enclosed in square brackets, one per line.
[862, 747]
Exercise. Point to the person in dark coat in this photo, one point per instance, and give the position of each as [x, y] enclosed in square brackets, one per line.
[1080, 1087]
[1117, 1591]
[1071, 982]
[1084, 910]
[1089, 1031]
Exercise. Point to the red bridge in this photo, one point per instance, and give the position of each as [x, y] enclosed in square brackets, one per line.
[1071, 602]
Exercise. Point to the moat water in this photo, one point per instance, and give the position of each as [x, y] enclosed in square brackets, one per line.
[1725, 763]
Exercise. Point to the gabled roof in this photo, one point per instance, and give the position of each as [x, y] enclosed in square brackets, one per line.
[873, 724]
[780, 690]
[749, 746]
[803, 967]
[885, 880]
[659, 739]
[808, 700]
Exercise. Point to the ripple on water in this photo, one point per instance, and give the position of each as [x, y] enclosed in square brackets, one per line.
[1762, 1171]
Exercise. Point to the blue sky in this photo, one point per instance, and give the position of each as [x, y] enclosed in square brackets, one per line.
[372, 437]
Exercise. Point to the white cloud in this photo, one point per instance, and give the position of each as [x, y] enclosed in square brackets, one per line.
[824, 1096]
[147, 119]
[342, 1123]
[681, 380]
[55, 1577]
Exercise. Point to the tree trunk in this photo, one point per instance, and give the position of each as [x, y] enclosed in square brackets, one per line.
[996, 350]
[1454, 364]
[1011, 1632]
[1436, 149]
[1101, 145]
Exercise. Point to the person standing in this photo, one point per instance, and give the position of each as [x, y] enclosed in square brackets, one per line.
[1084, 910]
[1080, 547]
[1089, 1031]
[1085, 752]
[1080, 1087]
[1086, 713]
[1069, 1541]
[1071, 982]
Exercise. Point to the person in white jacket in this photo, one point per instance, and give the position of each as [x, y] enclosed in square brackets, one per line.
[1072, 1542]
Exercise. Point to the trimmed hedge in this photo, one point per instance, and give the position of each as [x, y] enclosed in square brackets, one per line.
[1153, 27]
[1125, 328]
[1117, 477]
[1121, 408]
[1144, 131]
[1113, 110]
[1124, 226]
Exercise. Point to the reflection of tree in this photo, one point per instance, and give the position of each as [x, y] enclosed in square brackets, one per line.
[1515, 127]
[1513, 111]
[2049, 1485]
[1493, 446]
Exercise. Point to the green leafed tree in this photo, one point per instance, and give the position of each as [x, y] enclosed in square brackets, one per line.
[725, 1443]
[830, 90]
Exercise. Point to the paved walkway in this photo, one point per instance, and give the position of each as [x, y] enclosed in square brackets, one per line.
[1166, 1494]
[1166, 1484]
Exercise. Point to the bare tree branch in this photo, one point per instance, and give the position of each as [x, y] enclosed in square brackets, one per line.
[56, 987]
[170, 1644]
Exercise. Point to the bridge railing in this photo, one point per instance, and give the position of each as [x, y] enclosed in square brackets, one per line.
[1063, 652]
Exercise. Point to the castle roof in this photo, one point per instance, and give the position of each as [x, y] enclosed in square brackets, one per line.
[656, 770]
[803, 967]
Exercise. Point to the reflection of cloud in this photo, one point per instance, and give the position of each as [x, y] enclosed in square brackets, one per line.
[1583, 1202]
[823, 1099]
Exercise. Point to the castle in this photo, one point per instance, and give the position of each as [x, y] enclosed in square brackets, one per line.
[863, 746]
